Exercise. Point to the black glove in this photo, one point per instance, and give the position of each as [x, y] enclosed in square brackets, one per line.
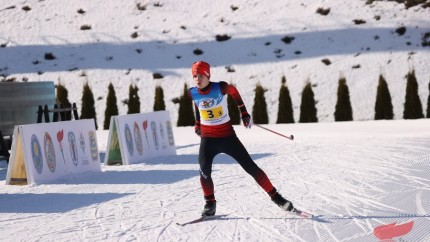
[197, 128]
[247, 120]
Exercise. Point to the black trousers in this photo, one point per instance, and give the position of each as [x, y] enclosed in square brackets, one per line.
[210, 147]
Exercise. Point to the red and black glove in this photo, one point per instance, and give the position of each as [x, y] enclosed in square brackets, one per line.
[197, 128]
[246, 119]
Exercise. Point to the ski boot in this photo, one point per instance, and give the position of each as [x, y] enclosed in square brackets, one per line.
[209, 209]
[281, 201]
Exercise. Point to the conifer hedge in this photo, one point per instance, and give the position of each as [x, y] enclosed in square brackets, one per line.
[308, 111]
[413, 108]
[88, 110]
[111, 106]
[343, 109]
[233, 110]
[133, 100]
[383, 105]
[186, 113]
[159, 99]
[285, 106]
[259, 110]
[62, 99]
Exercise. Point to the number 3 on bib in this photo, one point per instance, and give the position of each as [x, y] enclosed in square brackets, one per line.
[209, 114]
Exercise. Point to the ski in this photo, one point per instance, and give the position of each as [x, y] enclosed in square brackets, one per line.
[201, 219]
[301, 213]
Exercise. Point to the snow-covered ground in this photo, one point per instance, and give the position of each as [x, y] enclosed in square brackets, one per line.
[354, 176]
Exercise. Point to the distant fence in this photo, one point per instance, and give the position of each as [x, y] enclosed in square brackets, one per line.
[19, 103]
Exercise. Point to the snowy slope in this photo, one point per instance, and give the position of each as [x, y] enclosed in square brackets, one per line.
[126, 45]
[355, 176]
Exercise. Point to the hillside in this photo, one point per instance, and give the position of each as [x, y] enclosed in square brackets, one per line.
[247, 42]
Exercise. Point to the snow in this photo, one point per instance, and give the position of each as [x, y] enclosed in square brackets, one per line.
[169, 31]
[354, 176]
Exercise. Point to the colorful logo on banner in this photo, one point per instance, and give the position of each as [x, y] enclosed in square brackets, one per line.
[73, 148]
[128, 140]
[163, 141]
[170, 133]
[155, 135]
[145, 126]
[49, 152]
[84, 157]
[82, 142]
[36, 154]
[138, 139]
[93, 145]
[60, 136]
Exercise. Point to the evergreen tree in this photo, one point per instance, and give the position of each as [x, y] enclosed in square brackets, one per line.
[62, 95]
[133, 100]
[159, 99]
[259, 111]
[111, 106]
[343, 109]
[63, 100]
[233, 110]
[186, 113]
[413, 107]
[308, 111]
[285, 106]
[383, 105]
[428, 104]
[88, 110]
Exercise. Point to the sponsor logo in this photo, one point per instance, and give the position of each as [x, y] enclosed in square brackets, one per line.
[138, 139]
[36, 154]
[73, 148]
[128, 140]
[207, 103]
[49, 152]
[93, 146]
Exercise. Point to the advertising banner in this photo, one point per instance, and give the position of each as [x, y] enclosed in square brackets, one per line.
[134, 138]
[42, 153]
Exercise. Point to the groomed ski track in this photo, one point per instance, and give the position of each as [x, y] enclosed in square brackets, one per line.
[355, 176]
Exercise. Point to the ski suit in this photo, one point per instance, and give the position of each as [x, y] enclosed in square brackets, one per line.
[218, 136]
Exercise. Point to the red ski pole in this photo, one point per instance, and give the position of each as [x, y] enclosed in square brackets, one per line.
[291, 137]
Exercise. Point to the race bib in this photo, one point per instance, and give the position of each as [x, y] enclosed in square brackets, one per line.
[210, 114]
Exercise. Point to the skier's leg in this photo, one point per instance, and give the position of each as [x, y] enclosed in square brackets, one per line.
[206, 156]
[234, 148]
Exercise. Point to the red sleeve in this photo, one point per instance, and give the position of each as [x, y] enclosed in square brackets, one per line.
[233, 92]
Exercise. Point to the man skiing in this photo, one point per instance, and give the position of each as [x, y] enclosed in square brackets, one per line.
[214, 127]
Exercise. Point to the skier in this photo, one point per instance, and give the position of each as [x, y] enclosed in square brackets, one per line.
[214, 127]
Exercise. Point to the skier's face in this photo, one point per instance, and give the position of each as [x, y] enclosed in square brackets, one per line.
[200, 80]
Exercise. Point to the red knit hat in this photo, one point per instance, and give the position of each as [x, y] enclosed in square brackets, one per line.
[201, 67]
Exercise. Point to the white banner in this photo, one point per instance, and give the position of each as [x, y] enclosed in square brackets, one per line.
[42, 153]
[135, 138]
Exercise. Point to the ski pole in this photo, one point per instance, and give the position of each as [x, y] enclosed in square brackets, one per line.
[291, 137]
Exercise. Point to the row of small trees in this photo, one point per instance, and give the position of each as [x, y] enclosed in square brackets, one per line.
[308, 112]
[88, 110]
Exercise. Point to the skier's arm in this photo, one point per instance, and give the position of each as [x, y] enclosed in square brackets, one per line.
[234, 93]
[197, 124]
[197, 113]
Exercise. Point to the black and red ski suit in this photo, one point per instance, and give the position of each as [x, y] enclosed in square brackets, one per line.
[221, 138]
